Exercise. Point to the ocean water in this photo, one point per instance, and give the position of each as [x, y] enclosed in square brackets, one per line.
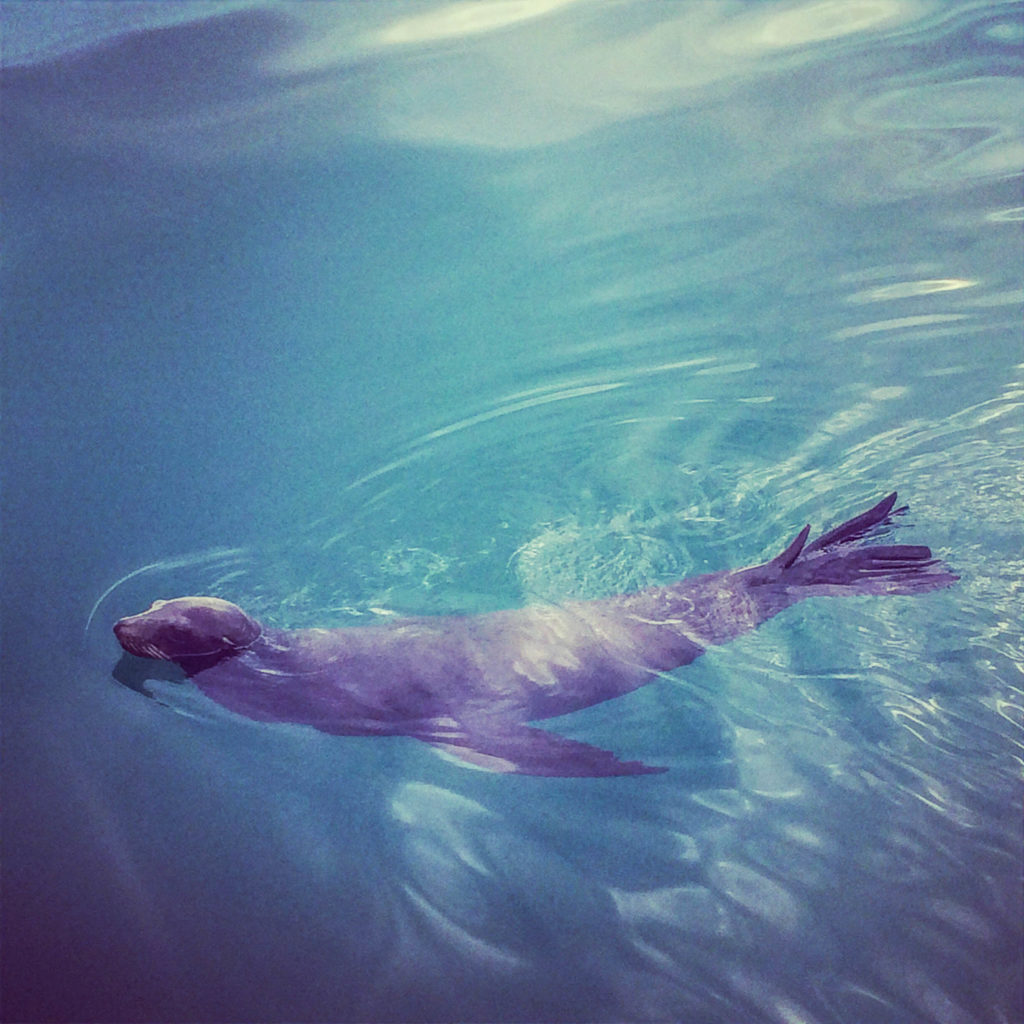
[343, 311]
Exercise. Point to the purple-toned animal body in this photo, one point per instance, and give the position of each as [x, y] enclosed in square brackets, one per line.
[469, 684]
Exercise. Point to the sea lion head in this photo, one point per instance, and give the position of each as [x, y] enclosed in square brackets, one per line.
[187, 627]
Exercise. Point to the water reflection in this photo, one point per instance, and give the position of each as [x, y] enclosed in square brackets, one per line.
[312, 75]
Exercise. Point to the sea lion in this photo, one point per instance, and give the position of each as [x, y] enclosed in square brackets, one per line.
[469, 684]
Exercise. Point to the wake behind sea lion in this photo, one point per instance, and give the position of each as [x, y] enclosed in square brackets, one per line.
[469, 684]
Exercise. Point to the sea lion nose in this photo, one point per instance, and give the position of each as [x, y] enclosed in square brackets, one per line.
[122, 628]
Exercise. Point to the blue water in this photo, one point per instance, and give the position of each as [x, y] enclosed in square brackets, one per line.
[343, 311]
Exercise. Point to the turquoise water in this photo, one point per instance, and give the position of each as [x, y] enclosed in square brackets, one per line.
[347, 311]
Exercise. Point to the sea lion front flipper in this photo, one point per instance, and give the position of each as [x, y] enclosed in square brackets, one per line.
[521, 750]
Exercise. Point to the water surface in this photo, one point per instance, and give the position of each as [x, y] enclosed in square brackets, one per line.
[347, 311]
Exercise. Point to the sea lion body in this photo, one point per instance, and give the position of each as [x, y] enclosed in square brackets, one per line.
[468, 684]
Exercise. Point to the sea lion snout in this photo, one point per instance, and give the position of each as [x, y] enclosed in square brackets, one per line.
[132, 636]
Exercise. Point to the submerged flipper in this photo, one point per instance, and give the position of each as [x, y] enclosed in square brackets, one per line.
[522, 750]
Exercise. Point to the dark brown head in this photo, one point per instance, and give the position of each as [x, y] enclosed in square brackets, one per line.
[187, 627]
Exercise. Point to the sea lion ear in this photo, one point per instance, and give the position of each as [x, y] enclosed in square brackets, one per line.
[241, 640]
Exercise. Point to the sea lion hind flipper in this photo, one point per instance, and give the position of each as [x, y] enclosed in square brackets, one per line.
[836, 563]
[792, 552]
[874, 569]
[853, 529]
[857, 527]
[522, 750]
